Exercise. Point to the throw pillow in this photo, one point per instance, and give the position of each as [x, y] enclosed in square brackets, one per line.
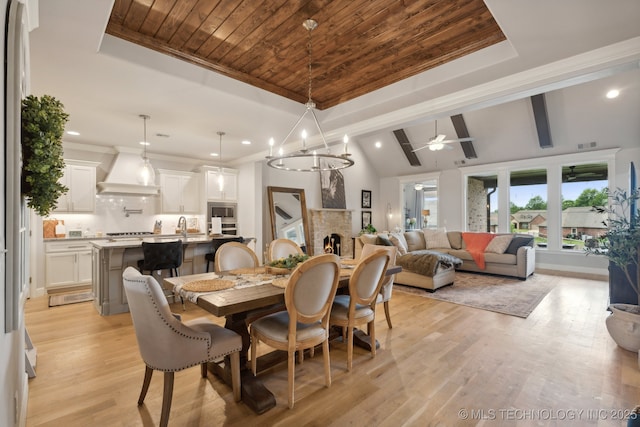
[455, 239]
[399, 242]
[383, 240]
[499, 244]
[516, 242]
[436, 239]
[415, 240]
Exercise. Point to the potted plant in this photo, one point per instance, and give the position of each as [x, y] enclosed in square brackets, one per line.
[368, 229]
[620, 245]
[42, 121]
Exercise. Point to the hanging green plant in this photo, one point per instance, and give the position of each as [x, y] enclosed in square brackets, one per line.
[43, 121]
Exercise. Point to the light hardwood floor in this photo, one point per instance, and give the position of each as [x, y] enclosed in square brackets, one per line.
[440, 363]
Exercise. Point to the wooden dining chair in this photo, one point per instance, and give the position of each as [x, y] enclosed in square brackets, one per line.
[234, 255]
[305, 324]
[359, 306]
[282, 248]
[169, 345]
[386, 289]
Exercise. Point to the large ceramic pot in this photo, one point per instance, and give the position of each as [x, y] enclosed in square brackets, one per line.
[624, 326]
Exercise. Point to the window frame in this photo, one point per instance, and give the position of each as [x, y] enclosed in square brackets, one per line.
[553, 165]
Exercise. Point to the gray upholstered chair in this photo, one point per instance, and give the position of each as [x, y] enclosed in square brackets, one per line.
[387, 284]
[169, 345]
[234, 255]
[359, 307]
[308, 297]
[282, 248]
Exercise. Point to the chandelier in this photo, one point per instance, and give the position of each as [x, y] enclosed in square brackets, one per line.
[303, 160]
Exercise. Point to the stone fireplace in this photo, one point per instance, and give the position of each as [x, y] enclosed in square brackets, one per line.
[331, 226]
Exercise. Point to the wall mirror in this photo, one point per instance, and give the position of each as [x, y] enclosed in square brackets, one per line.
[288, 210]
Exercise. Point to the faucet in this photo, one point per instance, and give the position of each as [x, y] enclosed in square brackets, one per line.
[182, 225]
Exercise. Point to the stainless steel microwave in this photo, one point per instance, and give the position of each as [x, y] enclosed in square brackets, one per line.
[227, 212]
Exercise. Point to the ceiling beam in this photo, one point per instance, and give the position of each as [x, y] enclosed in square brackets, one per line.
[405, 144]
[542, 120]
[461, 130]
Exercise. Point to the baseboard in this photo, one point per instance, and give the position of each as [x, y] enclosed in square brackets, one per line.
[575, 274]
[22, 410]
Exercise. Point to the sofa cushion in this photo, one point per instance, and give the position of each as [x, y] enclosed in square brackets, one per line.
[399, 242]
[435, 239]
[499, 244]
[415, 240]
[368, 239]
[455, 239]
[518, 241]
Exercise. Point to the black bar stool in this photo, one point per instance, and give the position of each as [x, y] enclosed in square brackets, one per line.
[161, 256]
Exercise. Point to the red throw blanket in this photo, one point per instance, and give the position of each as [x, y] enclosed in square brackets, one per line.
[476, 244]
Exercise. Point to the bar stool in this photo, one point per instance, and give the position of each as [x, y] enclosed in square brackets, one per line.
[215, 244]
[161, 256]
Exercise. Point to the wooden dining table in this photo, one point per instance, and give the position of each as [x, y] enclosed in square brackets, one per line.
[239, 306]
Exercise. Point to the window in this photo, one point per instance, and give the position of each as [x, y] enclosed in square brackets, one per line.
[553, 196]
[583, 186]
[420, 203]
[482, 203]
[528, 202]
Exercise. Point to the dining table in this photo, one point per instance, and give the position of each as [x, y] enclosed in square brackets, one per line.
[245, 295]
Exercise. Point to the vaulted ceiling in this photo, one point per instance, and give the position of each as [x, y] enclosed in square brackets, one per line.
[358, 47]
[198, 67]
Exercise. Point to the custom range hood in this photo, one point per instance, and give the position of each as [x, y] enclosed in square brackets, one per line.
[123, 176]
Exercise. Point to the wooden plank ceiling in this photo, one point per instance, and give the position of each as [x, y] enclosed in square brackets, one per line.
[358, 47]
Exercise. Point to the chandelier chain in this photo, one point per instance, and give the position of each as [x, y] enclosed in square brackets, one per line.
[310, 51]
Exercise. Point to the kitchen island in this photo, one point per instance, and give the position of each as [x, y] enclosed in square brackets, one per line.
[111, 257]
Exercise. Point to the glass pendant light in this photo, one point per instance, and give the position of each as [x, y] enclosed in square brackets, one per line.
[146, 174]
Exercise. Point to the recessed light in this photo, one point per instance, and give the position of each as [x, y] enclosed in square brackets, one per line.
[378, 144]
[145, 143]
[73, 132]
[214, 154]
[246, 142]
[613, 93]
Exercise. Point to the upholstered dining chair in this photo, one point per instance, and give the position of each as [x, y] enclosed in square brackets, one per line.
[282, 248]
[215, 244]
[233, 255]
[308, 296]
[387, 284]
[169, 345]
[359, 306]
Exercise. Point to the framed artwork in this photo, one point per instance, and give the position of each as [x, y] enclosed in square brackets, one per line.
[332, 186]
[366, 199]
[366, 218]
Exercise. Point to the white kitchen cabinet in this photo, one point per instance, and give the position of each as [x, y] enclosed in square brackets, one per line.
[67, 264]
[80, 178]
[179, 192]
[229, 191]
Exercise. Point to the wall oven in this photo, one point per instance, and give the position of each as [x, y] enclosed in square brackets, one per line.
[222, 218]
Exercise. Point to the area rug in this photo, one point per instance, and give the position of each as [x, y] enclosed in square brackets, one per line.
[64, 299]
[506, 295]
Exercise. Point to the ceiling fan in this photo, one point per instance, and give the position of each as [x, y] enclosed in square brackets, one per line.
[438, 142]
[572, 175]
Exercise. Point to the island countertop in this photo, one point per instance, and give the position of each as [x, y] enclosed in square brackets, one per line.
[133, 242]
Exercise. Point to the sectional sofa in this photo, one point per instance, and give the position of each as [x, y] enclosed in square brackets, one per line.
[430, 257]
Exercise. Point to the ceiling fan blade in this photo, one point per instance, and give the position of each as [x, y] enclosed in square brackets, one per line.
[447, 141]
[439, 138]
[420, 148]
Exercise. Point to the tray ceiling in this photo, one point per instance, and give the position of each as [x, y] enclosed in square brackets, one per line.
[358, 47]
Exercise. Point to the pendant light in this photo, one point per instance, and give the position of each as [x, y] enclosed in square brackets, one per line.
[146, 174]
[220, 177]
